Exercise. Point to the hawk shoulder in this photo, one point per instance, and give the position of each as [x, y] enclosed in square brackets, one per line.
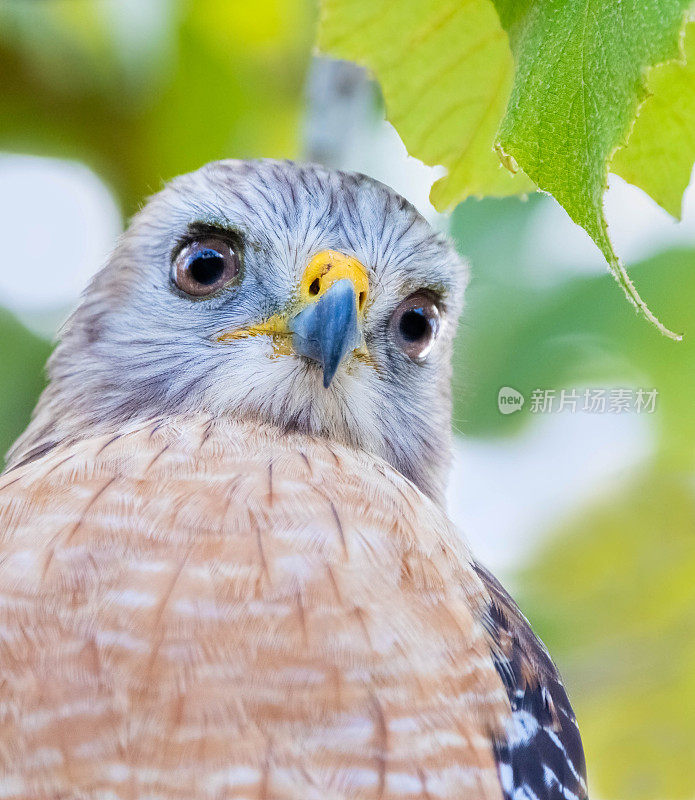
[540, 755]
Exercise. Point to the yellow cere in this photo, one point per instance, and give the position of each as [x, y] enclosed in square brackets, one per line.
[329, 266]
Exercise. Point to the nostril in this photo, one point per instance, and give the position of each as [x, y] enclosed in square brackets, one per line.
[315, 287]
[361, 300]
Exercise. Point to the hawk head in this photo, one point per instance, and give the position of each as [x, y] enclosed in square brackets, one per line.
[296, 295]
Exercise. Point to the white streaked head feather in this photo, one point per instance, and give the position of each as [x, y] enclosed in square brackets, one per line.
[135, 348]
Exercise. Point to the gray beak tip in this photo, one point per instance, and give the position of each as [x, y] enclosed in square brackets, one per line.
[328, 330]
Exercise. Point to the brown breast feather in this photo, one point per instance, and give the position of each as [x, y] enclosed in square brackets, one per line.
[211, 609]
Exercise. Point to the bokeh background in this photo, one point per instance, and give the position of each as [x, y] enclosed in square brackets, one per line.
[588, 517]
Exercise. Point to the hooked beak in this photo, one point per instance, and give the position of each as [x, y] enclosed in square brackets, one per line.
[332, 296]
[328, 330]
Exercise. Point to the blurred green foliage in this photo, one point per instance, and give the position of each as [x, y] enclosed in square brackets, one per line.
[575, 332]
[21, 377]
[613, 596]
[141, 97]
[612, 592]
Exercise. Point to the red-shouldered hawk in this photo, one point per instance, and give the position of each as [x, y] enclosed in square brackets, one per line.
[225, 570]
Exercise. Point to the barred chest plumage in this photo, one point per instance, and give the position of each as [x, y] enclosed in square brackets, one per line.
[200, 608]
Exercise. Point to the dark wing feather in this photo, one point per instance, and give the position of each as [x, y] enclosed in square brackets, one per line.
[541, 756]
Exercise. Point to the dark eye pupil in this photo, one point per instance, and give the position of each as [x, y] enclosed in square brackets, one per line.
[414, 325]
[206, 267]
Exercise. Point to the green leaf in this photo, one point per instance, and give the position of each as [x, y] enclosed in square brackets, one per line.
[661, 149]
[446, 71]
[578, 86]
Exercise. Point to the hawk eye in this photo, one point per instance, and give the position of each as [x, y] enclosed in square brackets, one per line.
[204, 266]
[415, 324]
